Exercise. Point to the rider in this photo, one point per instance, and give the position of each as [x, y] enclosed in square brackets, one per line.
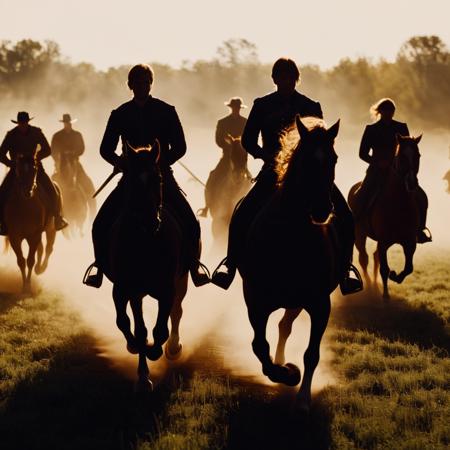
[25, 138]
[378, 145]
[68, 143]
[270, 116]
[139, 122]
[231, 125]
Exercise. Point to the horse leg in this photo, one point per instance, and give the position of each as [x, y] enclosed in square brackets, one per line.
[33, 244]
[39, 253]
[284, 331]
[161, 330]
[384, 268]
[16, 245]
[140, 333]
[288, 374]
[363, 257]
[376, 265]
[173, 346]
[50, 236]
[408, 250]
[319, 320]
[122, 319]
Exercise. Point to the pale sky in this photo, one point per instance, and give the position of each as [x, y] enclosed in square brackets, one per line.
[113, 32]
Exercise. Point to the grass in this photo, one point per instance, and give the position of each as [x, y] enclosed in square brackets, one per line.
[390, 361]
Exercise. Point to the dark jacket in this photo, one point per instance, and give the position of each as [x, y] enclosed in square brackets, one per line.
[229, 125]
[17, 142]
[270, 115]
[67, 141]
[140, 126]
[380, 137]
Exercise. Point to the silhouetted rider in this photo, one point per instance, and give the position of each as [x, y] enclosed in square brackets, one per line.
[27, 139]
[378, 146]
[270, 117]
[68, 144]
[231, 125]
[140, 122]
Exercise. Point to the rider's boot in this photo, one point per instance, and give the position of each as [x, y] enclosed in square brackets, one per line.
[199, 272]
[224, 275]
[93, 279]
[60, 222]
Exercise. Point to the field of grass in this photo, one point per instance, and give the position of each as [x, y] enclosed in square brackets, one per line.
[390, 362]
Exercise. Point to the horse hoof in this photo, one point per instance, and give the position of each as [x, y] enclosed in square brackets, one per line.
[393, 276]
[38, 270]
[143, 385]
[173, 356]
[288, 374]
[153, 353]
[132, 348]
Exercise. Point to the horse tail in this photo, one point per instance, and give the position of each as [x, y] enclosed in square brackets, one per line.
[6, 245]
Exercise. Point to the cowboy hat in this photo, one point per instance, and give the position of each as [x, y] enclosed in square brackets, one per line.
[235, 101]
[22, 116]
[67, 119]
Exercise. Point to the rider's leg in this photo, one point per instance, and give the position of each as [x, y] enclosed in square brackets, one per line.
[5, 188]
[366, 193]
[52, 198]
[346, 230]
[423, 234]
[175, 199]
[105, 217]
[240, 223]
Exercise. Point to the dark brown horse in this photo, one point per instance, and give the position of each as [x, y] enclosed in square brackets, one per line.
[26, 219]
[292, 253]
[146, 256]
[394, 216]
[226, 185]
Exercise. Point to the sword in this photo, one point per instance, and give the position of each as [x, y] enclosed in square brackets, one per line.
[191, 174]
[110, 177]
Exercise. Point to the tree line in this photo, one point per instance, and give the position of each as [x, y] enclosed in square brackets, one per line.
[37, 74]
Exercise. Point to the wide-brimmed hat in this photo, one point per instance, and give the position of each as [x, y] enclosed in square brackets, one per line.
[22, 116]
[235, 101]
[67, 119]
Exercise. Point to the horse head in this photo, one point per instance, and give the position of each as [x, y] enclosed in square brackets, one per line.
[25, 171]
[407, 160]
[144, 184]
[68, 170]
[306, 172]
[238, 156]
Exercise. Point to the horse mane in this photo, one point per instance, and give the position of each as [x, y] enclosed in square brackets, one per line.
[290, 145]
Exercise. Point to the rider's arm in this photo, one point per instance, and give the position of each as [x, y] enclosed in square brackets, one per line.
[176, 140]
[45, 149]
[110, 141]
[251, 132]
[364, 148]
[4, 148]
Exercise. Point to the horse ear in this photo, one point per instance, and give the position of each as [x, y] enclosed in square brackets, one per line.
[130, 149]
[302, 130]
[399, 137]
[156, 150]
[333, 130]
[418, 138]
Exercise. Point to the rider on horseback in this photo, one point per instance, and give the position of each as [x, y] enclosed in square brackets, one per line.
[270, 116]
[139, 122]
[381, 138]
[68, 144]
[232, 125]
[27, 139]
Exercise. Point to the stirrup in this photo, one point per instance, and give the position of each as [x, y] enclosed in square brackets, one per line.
[93, 280]
[202, 212]
[200, 279]
[221, 279]
[426, 236]
[351, 285]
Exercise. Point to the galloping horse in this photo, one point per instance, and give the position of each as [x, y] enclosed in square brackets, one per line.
[394, 216]
[146, 256]
[26, 218]
[76, 200]
[226, 185]
[292, 253]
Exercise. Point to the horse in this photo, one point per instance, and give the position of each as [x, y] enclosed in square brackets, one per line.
[77, 202]
[291, 254]
[393, 217]
[226, 185]
[26, 218]
[146, 256]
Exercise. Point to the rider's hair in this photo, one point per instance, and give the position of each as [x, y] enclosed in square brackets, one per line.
[139, 70]
[285, 66]
[384, 104]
